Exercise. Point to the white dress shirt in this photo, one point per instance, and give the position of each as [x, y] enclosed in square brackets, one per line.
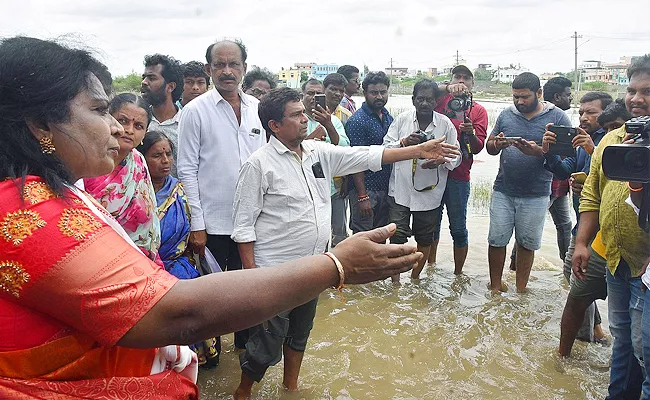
[400, 185]
[283, 207]
[212, 146]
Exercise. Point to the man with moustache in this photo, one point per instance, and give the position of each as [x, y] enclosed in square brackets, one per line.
[368, 126]
[417, 186]
[522, 187]
[471, 126]
[162, 86]
[322, 125]
[580, 308]
[195, 82]
[218, 132]
[282, 210]
[351, 74]
[604, 208]
[257, 82]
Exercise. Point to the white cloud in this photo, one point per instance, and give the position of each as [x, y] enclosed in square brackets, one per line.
[414, 33]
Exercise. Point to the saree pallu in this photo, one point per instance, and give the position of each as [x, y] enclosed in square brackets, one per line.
[128, 194]
[72, 287]
[173, 213]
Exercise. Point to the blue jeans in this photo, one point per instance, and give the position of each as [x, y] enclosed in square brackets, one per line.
[625, 302]
[645, 334]
[561, 212]
[455, 199]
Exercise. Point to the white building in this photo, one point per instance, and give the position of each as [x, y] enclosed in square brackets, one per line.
[507, 75]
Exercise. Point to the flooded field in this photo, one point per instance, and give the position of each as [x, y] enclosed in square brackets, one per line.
[445, 337]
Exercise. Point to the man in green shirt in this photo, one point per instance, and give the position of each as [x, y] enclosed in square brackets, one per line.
[603, 205]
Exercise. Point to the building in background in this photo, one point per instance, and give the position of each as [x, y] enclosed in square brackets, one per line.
[289, 78]
[508, 74]
[320, 71]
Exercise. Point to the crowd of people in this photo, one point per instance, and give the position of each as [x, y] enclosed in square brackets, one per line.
[116, 204]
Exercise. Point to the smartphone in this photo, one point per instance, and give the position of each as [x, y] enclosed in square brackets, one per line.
[564, 136]
[319, 100]
[510, 139]
[579, 177]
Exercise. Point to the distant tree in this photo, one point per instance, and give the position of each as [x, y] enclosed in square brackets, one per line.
[595, 86]
[365, 69]
[442, 78]
[482, 74]
[304, 76]
[127, 83]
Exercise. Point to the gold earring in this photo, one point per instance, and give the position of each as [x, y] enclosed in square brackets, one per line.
[47, 147]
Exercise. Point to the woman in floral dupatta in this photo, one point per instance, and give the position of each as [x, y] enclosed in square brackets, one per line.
[127, 192]
[173, 213]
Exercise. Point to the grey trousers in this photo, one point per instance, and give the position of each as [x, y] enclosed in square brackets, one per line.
[339, 219]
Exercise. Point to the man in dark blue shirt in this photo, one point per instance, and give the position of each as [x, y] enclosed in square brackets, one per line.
[368, 126]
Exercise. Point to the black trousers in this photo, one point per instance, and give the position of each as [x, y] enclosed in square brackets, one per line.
[225, 251]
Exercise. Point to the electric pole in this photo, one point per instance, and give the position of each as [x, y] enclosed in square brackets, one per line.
[391, 70]
[576, 78]
[457, 58]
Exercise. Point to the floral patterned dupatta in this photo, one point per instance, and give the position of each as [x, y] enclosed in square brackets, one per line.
[128, 194]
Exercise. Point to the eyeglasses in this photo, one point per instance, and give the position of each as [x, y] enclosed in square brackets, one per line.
[258, 92]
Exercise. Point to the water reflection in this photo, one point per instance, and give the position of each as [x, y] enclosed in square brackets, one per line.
[443, 337]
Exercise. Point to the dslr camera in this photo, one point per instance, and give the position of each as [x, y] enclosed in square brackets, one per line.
[460, 103]
[630, 162]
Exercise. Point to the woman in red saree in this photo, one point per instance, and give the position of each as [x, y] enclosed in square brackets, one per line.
[83, 313]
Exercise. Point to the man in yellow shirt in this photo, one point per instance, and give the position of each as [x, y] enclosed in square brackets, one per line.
[603, 205]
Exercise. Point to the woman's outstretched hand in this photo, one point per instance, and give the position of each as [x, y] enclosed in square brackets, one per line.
[366, 257]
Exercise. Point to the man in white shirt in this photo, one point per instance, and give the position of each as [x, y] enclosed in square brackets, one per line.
[219, 130]
[281, 212]
[416, 186]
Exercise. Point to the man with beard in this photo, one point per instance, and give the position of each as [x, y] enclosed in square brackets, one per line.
[195, 82]
[417, 186]
[604, 208]
[162, 86]
[282, 210]
[257, 82]
[351, 74]
[522, 187]
[368, 126]
[583, 293]
[218, 132]
[557, 91]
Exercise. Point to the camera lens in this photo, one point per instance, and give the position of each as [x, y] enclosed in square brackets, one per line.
[635, 160]
[455, 104]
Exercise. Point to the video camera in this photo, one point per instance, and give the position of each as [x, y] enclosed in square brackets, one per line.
[630, 162]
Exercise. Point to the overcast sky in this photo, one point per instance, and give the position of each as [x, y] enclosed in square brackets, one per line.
[415, 33]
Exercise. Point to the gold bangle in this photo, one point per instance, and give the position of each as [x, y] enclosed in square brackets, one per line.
[339, 267]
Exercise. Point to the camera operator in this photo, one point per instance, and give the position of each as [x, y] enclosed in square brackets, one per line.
[603, 206]
[472, 132]
[416, 187]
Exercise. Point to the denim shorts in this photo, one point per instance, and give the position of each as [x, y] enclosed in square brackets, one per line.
[524, 215]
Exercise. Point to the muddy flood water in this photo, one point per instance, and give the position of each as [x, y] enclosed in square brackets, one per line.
[444, 337]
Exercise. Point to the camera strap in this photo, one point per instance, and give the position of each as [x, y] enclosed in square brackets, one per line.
[414, 168]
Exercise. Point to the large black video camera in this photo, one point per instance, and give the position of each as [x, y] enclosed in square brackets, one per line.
[630, 162]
